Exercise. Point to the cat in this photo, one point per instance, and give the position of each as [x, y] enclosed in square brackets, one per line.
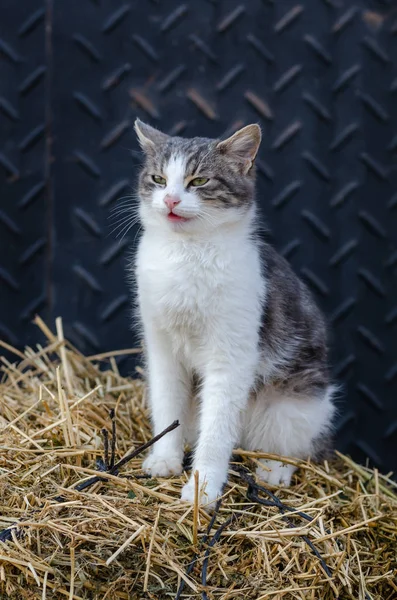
[236, 348]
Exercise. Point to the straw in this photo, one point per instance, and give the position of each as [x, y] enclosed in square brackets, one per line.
[81, 520]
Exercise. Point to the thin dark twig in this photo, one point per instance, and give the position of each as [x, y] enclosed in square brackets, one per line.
[106, 448]
[113, 451]
[213, 519]
[142, 476]
[213, 541]
[6, 534]
[252, 494]
[204, 539]
[275, 501]
[115, 469]
[143, 447]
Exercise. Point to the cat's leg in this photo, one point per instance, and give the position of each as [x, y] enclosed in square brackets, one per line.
[169, 388]
[227, 379]
[288, 425]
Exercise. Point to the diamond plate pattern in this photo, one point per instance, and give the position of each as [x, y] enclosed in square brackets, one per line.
[321, 78]
[24, 248]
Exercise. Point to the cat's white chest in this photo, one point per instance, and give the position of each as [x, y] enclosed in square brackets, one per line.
[199, 292]
[179, 285]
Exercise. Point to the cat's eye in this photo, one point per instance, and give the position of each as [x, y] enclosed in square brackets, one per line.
[198, 181]
[159, 180]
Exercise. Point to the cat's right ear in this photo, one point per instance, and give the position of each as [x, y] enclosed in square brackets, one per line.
[149, 137]
[242, 147]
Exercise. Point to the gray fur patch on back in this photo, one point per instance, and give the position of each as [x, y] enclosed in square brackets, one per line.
[293, 333]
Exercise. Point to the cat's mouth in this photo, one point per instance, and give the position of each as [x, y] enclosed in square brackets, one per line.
[176, 218]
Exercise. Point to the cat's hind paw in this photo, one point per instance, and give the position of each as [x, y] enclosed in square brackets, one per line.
[275, 472]
[162, 466]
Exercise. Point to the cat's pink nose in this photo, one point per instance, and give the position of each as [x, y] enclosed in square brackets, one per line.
[171, 201]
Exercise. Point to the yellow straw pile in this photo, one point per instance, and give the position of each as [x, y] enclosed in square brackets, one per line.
[333, 534]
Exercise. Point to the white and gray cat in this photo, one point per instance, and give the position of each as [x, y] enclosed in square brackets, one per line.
[235, 346]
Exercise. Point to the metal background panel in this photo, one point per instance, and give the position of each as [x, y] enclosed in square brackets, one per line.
[24, 199]
[93, 168]
[320, 76]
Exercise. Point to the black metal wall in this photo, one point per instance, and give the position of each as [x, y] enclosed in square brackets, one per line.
[321, 78]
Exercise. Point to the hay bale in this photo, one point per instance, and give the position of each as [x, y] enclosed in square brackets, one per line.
[331, 535]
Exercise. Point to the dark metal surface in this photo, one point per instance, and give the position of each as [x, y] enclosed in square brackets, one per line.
[321, 78]
[24, 204]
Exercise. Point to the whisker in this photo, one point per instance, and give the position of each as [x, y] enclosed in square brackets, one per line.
[126, 207]
[132, 195]
[121, 205]
[125, 233]
[124, 223]
[121, 234]
[138, 232]
[129, 202]
[124, 211]
[127, 217]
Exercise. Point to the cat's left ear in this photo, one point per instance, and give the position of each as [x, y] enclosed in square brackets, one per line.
[242, 146]
[149, 137]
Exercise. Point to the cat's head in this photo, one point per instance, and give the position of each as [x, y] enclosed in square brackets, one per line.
[196, 184]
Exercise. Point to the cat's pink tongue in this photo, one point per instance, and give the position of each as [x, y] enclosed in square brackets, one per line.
[173, 217]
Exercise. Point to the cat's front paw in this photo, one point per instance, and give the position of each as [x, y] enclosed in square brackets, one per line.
[275, 472]
[162, 466]
[209, 493]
